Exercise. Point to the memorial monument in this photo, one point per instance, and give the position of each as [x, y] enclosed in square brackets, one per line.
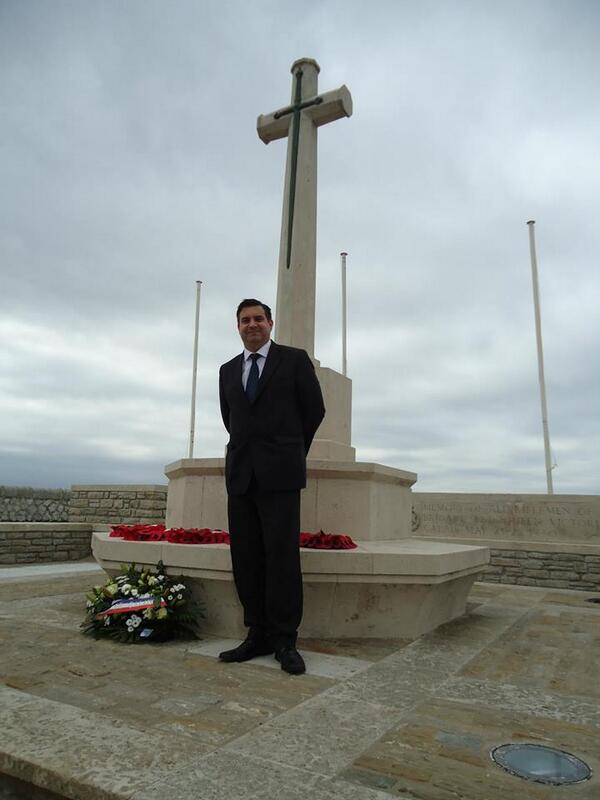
[391, 585]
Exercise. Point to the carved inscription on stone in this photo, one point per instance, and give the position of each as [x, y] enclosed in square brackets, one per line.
[573, 518]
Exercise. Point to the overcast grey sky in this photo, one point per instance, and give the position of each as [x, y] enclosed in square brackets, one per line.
[130, 167]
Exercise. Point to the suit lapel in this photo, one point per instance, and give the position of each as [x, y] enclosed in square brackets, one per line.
[236, 376]
[271, 364]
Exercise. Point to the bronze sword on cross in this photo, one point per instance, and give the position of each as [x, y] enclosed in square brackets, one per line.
[295, 109]
[299, 121]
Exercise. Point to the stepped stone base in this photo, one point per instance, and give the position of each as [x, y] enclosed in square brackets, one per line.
[362, 500]
[383, 589]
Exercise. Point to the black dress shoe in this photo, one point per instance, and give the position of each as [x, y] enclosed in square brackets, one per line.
[290, 659]
[249, 648]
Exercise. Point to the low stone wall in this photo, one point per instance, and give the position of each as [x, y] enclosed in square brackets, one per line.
[38, 542]
[115, 505]
[534, 540]
[24, 504]
[562, 570]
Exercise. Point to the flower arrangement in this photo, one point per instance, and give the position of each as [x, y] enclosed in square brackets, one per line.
[141, 605]
[158, 533]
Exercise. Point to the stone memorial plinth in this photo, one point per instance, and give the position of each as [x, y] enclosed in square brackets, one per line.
[392, 585]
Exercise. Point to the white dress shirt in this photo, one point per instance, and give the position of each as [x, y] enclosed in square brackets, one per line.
[259, 361]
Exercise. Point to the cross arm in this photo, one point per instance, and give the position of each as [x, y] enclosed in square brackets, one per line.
[334, 105]
[331, 106]
[270, 127]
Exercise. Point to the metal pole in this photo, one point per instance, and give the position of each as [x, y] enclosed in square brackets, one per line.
[540, 354]
[344, 315]
[194, 372]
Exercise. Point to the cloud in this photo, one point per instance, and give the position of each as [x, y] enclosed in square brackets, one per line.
[131, 168]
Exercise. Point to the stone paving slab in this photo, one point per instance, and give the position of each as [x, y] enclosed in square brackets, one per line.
[127, 681]
[402, 678]
[321, 735]
[48, 570]
[96, 719]
[48, 586]
[507, 696]
[82, 755]
[228, 776]
[323, 664]
[552, 648]
[441, 751]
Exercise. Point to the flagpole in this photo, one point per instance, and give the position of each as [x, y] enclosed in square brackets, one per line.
[194, 372]
[540, 354]
[344, 315]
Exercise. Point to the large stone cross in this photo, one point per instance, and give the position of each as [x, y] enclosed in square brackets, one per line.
[296, 280]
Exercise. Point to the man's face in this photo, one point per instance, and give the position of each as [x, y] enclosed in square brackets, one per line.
[254, 327]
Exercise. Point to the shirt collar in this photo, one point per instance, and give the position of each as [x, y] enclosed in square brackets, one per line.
[262, 351]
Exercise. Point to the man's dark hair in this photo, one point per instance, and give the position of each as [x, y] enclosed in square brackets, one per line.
[252, 301]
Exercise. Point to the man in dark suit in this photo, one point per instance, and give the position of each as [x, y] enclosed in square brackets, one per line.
[272, 405]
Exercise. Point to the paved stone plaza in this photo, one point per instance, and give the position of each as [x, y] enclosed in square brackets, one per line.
[373, 719]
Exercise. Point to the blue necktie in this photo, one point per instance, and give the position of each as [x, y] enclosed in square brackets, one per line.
[252, 382]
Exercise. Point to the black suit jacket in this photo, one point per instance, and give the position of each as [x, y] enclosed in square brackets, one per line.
[270, 437]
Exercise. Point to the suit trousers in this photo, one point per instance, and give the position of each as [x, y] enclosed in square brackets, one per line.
[264, 529]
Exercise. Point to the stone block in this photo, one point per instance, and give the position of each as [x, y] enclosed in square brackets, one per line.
[591, 577]
[558, 574]
[532, 563]
[536, 573]
[83, 552]
[505, 562]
